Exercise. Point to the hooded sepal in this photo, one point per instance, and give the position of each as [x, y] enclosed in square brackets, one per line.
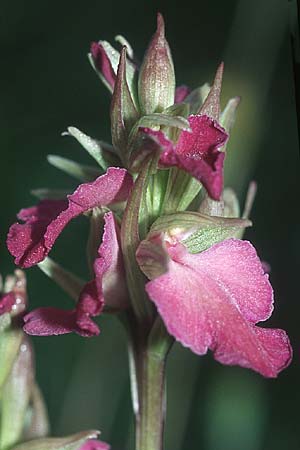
[156, 84]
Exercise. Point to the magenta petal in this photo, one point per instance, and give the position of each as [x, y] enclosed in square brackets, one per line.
[196, 152]
[181, 93]
[109, 267]
[103, 64]
[50, 321]
[95, 445]
[213, 299]
[31, 242]
[6, 303]
[90, 304]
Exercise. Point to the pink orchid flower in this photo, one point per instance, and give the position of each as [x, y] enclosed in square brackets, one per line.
[213, 300]
[95, 445]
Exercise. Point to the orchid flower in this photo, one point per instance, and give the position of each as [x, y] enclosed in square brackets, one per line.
[165, 244]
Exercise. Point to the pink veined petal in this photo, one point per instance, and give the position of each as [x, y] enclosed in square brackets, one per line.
[31, 242]
[213, 299]
[95, 445]
[6, 303]
[181, 93]
[109, 267]
[103, 64]
[196, 152]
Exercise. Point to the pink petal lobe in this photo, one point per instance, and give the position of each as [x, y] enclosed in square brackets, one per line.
[109, 267]
[212, 300]
[31, 242]
[181, 93]
[95, 445]
[102, 63]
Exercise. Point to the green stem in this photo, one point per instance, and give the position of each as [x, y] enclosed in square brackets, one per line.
[148, 385]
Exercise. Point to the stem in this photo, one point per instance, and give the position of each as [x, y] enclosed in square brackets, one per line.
[147, 373]
[151, 417]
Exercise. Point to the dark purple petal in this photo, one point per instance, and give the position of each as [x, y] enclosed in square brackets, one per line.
[196, 152]
[50, 321]
[31, 242]
[102, 63]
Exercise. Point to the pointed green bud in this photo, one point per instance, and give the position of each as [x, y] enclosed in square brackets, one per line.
[211, 105]
[156, 85]
[73, 442]
[250, 197]
[101, 152]
[74, 169]
[69, 282]
[16, 395]
[122, 112]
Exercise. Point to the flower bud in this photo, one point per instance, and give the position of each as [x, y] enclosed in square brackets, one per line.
[157, 77]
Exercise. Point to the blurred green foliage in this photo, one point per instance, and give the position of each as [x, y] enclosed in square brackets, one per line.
[46, 84]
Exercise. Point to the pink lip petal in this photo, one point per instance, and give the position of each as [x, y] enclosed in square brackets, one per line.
[31, 242]
[213, 299]
[6, 303]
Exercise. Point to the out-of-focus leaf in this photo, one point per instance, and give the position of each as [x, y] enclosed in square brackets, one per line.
[16, 395]
[74, 169]
[73, 442]
[10, 341]
[38, 421]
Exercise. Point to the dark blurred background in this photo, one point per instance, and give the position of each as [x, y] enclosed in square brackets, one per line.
[46, 85]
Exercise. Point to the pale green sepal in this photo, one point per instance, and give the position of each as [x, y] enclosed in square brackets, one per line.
[227, 117]
[179, 109]
[37, 420]
[50, 194]
[211, 207]
[69, 282]
[210, 234]
[198, 231]
[181, 191]
[197, 97]
[156, 120]
[92, 146]
[79, 171]
[73, 442]
[231, 204]
[10, 341]
[123, 42]
[16, 395]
